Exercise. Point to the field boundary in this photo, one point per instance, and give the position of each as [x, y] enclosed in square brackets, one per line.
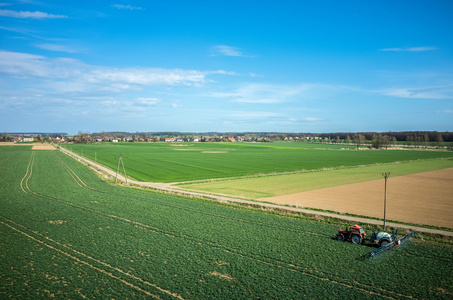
[168, 188]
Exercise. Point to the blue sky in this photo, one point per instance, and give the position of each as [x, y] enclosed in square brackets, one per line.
[196, 66]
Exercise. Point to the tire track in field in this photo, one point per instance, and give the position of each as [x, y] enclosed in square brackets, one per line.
[24, 182]
[76, 178]
[46, 241]
[252, 256]
[74, 175]
[298, 230]
[211, 214]
[279, 264]
[255, 257]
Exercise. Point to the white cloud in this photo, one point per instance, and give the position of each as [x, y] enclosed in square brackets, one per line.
[24, 32]
[252, 114]
[147, 101]
[305, 119]
[74, 75]
[275, 93]
[227, 51]
[411, 49]
[435, 92]
[254, 75]
[130, 7]
[29, 14]
[55, 47]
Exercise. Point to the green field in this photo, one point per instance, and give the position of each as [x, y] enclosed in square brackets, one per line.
[165, 162]
[271, 186]
[64, 233]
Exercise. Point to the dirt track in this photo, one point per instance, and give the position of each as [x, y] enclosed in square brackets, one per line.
[423, 198]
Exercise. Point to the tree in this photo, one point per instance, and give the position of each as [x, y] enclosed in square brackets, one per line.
[83, 138]
[426, 140]
[440, 140]
[358, 139]
[348, 139]
[380, 141]
[409, 140]
[394, 141]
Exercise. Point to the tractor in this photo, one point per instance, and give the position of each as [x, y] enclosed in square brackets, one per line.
[386, 241]
[355, 234]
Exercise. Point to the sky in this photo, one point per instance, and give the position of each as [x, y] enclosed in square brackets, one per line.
[226, 66]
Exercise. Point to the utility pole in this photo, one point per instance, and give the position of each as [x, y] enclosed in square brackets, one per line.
[124, 170]
[386, 175]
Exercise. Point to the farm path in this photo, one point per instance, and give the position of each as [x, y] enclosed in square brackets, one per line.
[167, 187]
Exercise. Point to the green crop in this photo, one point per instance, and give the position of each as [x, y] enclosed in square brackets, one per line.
[165, 162]
[65, 233]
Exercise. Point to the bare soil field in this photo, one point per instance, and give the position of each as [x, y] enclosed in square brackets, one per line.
[422, 198]
[37, 146]
[13, 144]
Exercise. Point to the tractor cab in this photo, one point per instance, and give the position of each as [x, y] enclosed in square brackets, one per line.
[355, 234]
[356, 229]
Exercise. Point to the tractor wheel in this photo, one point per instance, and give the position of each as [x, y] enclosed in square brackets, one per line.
[384, 243]
[340, 237]
[356, 239]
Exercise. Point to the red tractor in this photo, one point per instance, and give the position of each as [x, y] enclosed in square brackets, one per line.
[355, 234]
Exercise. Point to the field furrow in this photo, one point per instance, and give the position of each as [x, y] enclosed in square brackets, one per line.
[66, 232]
[84, 259]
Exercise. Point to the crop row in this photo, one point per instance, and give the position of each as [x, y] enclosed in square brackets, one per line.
[194, 249]
[159, 162]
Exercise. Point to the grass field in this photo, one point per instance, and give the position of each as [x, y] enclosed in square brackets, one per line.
[167, 162]
[64, 233]
[272, 186]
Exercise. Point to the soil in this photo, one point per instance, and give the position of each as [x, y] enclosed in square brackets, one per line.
[39, 146]
[36, 146]
[422, 198]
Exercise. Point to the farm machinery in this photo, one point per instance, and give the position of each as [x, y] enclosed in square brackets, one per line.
[384, 240]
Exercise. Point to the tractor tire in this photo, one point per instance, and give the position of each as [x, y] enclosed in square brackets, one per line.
[340, 237]
[384, 243]
[356, 239]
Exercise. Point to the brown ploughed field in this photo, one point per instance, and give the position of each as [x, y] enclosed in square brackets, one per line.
[37, 146]
[422, 198]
